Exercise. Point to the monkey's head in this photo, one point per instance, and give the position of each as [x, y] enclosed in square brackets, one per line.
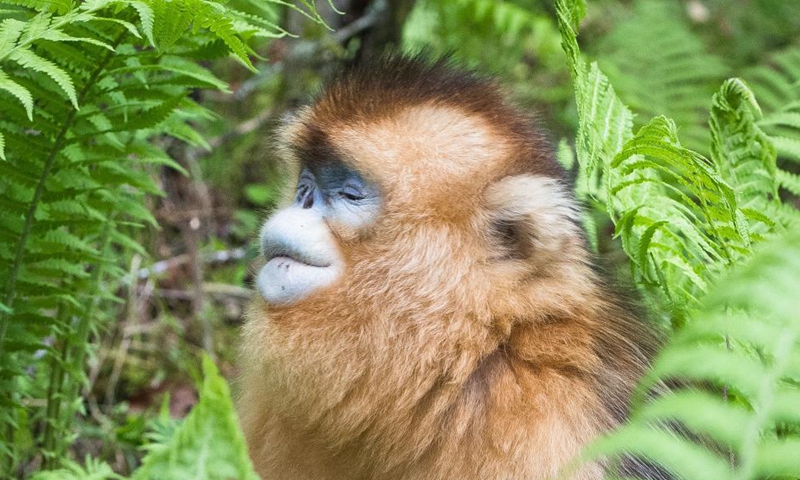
[415, 181]
[427, 285]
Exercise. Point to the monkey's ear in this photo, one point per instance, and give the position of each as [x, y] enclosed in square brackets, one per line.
[532, 216]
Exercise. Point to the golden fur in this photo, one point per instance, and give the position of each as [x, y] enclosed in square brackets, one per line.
[470, 337]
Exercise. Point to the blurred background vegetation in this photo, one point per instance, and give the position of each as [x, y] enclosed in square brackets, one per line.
[185, 293]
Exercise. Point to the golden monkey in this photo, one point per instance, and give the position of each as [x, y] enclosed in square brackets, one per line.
[429, 309]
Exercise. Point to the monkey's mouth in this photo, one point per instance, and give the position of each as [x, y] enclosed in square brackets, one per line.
[296, 267]
[286, 254]
[288, 277]
[283, 259]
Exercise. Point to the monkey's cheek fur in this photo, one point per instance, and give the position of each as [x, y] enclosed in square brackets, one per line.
[284, 280]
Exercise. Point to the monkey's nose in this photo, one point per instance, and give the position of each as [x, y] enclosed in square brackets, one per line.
[307, 198]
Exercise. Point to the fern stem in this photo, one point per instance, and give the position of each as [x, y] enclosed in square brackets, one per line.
[53, 403]
[56, 421]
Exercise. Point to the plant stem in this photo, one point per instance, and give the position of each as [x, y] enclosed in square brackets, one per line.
[54, 397]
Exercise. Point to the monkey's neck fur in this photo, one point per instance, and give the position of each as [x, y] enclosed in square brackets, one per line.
[449, 366]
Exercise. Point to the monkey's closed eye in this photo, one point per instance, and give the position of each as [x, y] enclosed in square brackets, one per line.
[351, 193]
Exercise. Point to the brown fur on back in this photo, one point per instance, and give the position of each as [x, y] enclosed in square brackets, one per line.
[470, 336]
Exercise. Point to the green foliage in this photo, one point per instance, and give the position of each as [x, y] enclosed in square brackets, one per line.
[208, 445]
[92, 470]
[751, 29]
[745, 342]
[439, 24]
[91, 93]
[777, 86]
[743, 153]
[678, 220]
[475, 30]
[684, 222]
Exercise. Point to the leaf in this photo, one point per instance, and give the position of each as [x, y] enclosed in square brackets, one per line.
[678, 220]
[223, 28]
[59, 36]
[51, 6]
[153, 116]
[18, 91]
[93, 470]
[789, 181]
[172, 20]
[147, 17]
[10, 31]
[208, 446]
[28, 59]
[743, 153]
[746, 339]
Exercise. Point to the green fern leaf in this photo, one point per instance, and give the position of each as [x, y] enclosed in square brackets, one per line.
[93, 469]
[775, 81]
[787, 147]
[745, 342]
[82, 172]
[209, 444]
[186, 74]
[59, 36]
[742, 152]
[210, 16]
[172, 20]
[18, 91]
[48, 6]
[147, 18]
[27, 59]
[777, 86]
[789, 181]
[10, 31]
[57, 267]
[153, 116]
[678, 220]
[62, 238]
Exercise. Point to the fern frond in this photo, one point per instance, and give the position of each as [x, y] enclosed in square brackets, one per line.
[678, 220]
[777, 86]
[745, 342]
[18, 91]
[92, 470]
[146, 18]
[742, 152]
[45, 6]
[27, 59]
[789, 181]
[475, 30]
[210, 427]
[72, 183]
[775, 82]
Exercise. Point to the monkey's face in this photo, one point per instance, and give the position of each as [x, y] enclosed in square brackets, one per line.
[427, 200]
[298, 241]
[412, 194]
